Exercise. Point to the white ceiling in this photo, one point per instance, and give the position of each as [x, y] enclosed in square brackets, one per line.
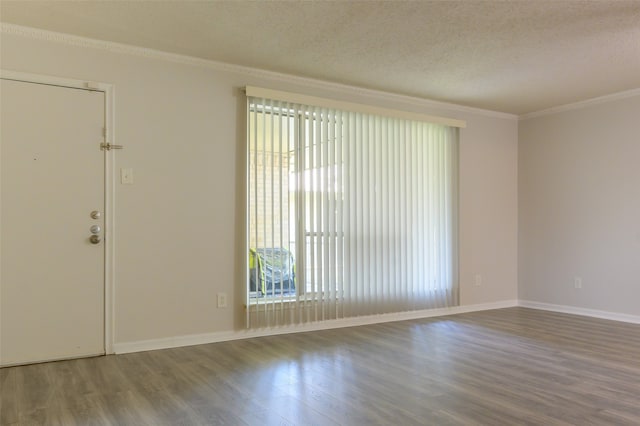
[508, 56]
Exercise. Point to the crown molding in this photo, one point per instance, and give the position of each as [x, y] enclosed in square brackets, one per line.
[582, 104]
[126, 49]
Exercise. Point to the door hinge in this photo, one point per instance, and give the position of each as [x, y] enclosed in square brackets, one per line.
[108, 147]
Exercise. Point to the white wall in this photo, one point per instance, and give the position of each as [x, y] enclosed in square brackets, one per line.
[488, 210]
[579, 191]
[179, 227]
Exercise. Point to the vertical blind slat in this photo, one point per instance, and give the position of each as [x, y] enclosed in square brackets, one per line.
[326, 227]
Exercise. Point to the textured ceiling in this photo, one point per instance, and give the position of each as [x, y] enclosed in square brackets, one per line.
[509, 56]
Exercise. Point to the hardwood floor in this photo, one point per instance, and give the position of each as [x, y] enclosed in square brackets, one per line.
[503, 367]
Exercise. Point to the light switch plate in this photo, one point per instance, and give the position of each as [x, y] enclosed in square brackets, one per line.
[126, 176]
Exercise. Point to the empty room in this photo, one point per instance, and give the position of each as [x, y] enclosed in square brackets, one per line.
[319, 212]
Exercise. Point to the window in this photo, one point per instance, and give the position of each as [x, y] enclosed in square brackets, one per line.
[348, 213]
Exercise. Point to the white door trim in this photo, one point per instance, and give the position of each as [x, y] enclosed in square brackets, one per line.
[109, 184]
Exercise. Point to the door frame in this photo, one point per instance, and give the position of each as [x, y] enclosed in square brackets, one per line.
[109, 183]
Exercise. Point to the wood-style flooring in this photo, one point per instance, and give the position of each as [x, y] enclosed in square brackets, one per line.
[511, 366]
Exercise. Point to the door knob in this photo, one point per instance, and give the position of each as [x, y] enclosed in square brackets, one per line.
[95, 239]
[95, 229]
[95, 214]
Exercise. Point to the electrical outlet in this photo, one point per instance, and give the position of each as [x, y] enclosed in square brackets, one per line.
[577, 283]
[478, 280]
[222, 300]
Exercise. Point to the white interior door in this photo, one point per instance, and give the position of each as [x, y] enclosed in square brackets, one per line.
[52, 179]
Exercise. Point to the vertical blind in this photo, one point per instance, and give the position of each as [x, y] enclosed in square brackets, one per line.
[349, 213]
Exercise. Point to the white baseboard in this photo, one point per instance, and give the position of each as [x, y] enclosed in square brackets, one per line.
[223, 336]
[634, 319]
